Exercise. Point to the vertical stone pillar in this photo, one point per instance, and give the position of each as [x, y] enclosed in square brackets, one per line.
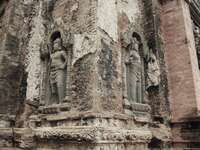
[108, 59]
[10, 69]
[181, 59]
[182, 70]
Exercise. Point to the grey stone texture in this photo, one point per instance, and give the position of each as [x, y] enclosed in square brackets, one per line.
[77, 97]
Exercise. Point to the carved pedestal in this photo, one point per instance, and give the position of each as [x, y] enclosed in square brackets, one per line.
[56, 108]
[89, 130]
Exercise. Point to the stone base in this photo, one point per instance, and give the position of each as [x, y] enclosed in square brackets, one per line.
[79, 131]
[6, 137]
[139, 111]
[108, 146]
[75, 138]
[71, 118]
[186, 134]
[53, 109]
[97, 139]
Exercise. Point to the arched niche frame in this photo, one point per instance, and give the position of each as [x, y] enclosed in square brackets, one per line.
[56, 82]
[133, 70]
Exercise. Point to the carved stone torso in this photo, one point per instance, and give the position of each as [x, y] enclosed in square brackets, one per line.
[134, 73]
[135, 63]
[57, 72]
[57, 60]
[57, 66]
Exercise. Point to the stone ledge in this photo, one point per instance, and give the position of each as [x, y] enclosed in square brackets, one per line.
[140, 112]
[82, 119]
[6, 137]
[11, 148]
[6, 121]
[70, 134]
[20, 137]
[54, 109]
[161, 132]
[94, 134]
[84, 115]
[27, 138]
[80, 134]
[140, 107]
[137, 106]
[89, 119]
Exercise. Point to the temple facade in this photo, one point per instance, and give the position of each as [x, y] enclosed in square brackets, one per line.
[99, 74]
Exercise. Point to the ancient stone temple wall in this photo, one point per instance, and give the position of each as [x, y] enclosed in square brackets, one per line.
[93, 108]
[11, 68]
[92, 76]
[158, 95]
[183, 72]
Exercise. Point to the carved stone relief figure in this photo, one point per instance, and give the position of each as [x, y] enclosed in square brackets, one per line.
[153, 70]
[134, 72]
[58, 64]
[55, 61]
[196, 31]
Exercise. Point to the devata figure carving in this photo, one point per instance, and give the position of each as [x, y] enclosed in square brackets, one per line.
[58, 64]
[153, 71]
[134, 72]
[196, 31]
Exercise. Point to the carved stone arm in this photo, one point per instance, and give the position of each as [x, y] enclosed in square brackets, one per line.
[44, 53]
[64, 55]
[66, 60]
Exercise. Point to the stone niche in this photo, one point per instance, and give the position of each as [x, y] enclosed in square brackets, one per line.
[134, 93]
[73, 22]
[56, 58]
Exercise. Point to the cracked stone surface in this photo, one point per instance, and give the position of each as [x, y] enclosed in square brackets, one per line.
[94, 114]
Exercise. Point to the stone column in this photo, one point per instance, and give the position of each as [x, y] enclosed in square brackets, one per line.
[182, 69]
[10, 69]
[181, 60]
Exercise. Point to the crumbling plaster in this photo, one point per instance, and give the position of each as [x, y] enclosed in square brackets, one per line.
[108, 15]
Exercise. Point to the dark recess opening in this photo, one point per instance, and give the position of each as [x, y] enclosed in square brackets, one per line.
[55, 35]
[155, 144]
